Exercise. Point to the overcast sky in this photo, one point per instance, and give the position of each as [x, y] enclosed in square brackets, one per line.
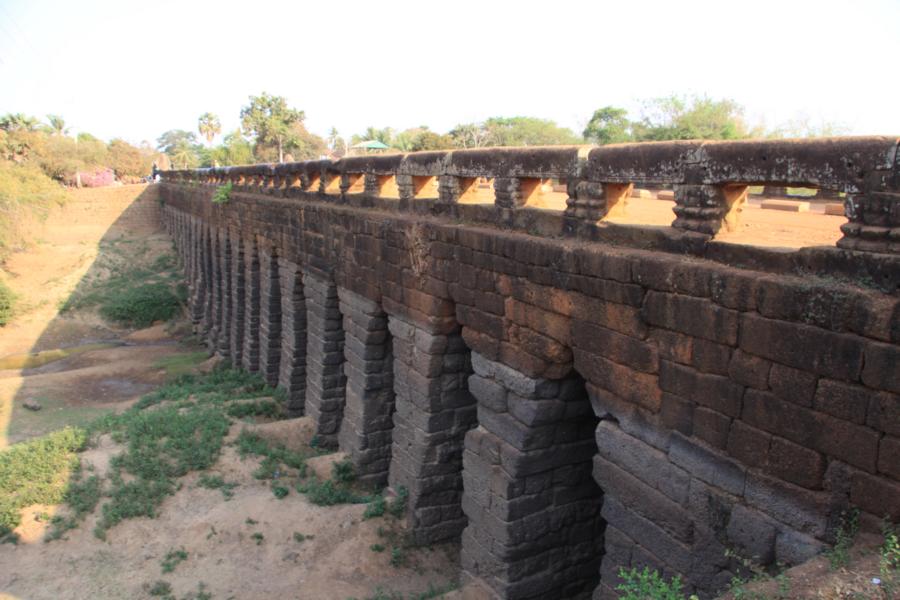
[121, 68]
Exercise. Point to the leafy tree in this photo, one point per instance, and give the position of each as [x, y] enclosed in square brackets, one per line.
[299, 145]
[57, 125]
[470, 135]
[181, 147]
[128, 162]
[234, 150]
[527, 131]
[608, 125]
[271, 121]
[209, 126]
[429, 140]
[675, 118]
[18, 122]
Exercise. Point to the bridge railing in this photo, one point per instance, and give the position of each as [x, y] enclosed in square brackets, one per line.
[588, 184]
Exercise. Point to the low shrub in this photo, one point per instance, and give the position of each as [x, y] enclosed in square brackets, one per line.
[7, 302]
[141, 305]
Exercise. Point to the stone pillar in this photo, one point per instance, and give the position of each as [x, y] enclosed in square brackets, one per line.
[873, 221]
[270, 317]
[707, 208]
[215, 316]
[292, 375]
[206, 267]
[325, 380]
[198, 287]
[238, 299]
[365, 433]
[434, 410]
[224, 342]
[250, 353]
[535, 529]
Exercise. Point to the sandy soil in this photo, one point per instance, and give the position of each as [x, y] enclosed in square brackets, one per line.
[335, 562]
[55, 359]
[84, 366]
[758, 227]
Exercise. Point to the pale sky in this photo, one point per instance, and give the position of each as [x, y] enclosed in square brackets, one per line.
[121, 68]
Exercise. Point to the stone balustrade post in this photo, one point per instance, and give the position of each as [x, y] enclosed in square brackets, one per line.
[873, 222]
[707, 208]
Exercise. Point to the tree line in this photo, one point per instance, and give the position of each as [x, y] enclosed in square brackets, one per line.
[273, 131]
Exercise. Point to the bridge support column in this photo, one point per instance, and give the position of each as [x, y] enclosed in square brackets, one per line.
[206, 267]
[238, 299]
[223, 346]
[269, 317]
[197, 276]
[292, 372]
[325, 380]
[365, 433]
[434, 410]
[216, 283]
[534, 529]
[250, 355]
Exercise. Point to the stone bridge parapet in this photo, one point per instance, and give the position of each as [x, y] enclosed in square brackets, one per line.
[565, 395]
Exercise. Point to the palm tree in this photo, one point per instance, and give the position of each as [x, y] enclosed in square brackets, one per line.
[57, 125]
[209, 126]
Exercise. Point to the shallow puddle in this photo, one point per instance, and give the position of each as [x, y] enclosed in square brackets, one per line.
[32, 360]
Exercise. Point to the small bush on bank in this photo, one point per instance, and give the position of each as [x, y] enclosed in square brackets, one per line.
[7, 300]
[140, 306]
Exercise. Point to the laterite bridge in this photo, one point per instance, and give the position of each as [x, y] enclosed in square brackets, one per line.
[567, 395]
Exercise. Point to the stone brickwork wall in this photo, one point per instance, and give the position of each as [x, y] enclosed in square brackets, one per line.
[564, 395]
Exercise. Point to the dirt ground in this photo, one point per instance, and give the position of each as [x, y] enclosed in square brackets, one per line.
[334, 561]
[76, 366]
[774, 229]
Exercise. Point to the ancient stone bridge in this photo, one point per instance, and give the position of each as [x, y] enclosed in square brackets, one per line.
[566, 395]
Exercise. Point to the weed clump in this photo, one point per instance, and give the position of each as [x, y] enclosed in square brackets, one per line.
[647, 584]
[223, 194]
[36, 472]
[327, 493]
[173, 559]
[7, 302]
[216, 482]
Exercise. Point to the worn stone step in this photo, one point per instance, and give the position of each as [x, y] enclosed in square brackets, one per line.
[786, 205]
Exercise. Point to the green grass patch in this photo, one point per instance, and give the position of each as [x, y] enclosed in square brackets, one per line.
[261, 408]
[36, 472]
[177, 365]
[275, 457]
[216, 482]
[328, 493]
[161, 445]
[176, 430]
[648, 585]
[129, 292]
[82, 497]
[172, 559]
